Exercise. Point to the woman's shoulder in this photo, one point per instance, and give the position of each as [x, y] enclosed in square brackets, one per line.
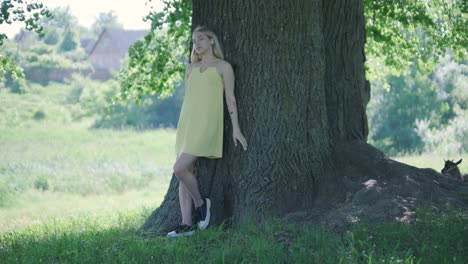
[223, 63]
[224, 66]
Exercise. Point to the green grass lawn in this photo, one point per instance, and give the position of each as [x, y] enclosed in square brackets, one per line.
[79, 160]
[112, 238]
[70, 194]
[55, 167]
[37, 207]
[433, 161]
[51, 171]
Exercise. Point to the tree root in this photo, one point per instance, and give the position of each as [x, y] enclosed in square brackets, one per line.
[379, 189]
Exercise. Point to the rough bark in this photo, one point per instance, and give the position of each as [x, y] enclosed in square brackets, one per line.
[302, 95]
[347, 91]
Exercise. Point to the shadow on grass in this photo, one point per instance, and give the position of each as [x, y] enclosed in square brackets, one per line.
[432, 239]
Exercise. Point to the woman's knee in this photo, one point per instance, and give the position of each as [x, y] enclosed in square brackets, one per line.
[180, 171]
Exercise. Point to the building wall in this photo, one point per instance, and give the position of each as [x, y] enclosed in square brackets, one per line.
[105, 55]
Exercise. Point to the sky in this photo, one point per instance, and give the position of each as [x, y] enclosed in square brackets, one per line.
[129, 12]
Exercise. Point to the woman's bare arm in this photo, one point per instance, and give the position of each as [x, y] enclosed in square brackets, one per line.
[228, 79]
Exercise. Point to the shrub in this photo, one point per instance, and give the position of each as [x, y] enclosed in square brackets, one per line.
[18, 86]
[39, 115]
[42, 183]
[447, 140]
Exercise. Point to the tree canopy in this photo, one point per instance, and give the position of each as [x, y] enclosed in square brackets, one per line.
[397, 35]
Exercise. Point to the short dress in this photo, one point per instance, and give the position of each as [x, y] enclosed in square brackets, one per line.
[200, 126]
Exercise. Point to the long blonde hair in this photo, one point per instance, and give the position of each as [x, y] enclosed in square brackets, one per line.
[217, 51]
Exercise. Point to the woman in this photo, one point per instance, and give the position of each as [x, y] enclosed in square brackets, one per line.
[200, 127]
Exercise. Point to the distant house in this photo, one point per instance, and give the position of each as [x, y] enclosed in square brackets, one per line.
[105, 54]
[110, 48]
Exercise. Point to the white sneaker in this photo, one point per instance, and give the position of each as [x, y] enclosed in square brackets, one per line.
[203, 214]
[182, 231]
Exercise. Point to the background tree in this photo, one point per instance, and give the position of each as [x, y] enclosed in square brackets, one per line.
[52, 36]
[69, 41]
[105, 20]
[401, 101]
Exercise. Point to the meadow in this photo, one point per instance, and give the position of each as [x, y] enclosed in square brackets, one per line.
[74, 194]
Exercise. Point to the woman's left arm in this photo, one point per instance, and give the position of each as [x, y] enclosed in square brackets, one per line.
[228, 79]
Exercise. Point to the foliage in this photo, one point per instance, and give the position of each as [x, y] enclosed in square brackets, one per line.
[393, 112]
[62, 18]
[59, 50]
[7, 64]
[157, 63]
[52, 36]
[103, 21]
[402, 31]
[18, 85]
[451, 82]
[405, 116]
[22, 11]
[19, 10]
[69, 41]
[448, 140]
[397, 35]
[62, 28]
[151, 112]
[41, 59]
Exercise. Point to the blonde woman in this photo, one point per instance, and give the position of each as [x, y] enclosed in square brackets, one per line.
[200, 126]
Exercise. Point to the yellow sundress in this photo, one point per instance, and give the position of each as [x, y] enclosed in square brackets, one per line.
[200, 126]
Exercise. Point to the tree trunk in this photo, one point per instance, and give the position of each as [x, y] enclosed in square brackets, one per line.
[301, 93]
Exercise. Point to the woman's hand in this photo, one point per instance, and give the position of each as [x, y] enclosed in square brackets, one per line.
[237, 136]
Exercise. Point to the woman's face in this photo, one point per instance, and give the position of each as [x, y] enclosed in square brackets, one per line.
[201, 42]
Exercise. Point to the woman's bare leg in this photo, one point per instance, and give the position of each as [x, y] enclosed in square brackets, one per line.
[183, 170]
[186, 202]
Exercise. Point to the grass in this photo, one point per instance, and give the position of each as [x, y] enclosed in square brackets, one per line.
[46, 169]
[69, 194]
[433, 161]
[112, 238]
[37, 207]
[55, 166]
[76, 160]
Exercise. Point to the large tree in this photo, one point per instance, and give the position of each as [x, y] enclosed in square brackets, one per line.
[302, 95]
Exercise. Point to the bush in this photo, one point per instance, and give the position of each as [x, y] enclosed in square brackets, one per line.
[96, 100]
[406, 111]
[77, 84]
[42, 183]
[447, 140]
[39, 115]
[18, 86]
